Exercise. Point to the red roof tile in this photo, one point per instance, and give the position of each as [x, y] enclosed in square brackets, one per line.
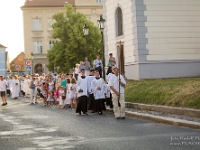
[47, 3]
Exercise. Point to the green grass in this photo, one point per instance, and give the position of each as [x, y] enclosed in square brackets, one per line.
[181, 92]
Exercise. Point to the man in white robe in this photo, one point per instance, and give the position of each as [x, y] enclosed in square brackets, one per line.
[82, 93]
[117, 84]
[26, 86]
[15, 88]
[98, 88]
[11, 84]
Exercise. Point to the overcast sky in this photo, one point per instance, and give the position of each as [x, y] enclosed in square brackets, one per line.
[11, 26]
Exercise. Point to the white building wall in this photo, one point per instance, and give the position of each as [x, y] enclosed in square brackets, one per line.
[161, 38]
[173, 30]
[129, 36]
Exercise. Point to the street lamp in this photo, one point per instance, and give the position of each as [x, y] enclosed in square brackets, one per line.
[100, 23]
[86, 33]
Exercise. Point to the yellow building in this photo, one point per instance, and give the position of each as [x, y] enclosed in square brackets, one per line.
[37, 16]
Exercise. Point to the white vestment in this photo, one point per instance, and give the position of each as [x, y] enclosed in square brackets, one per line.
[98, 94]
[15, 89]
[82, 85]
[89, 81]
[26, 88]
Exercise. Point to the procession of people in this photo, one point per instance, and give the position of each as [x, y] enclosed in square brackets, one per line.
[83, 90]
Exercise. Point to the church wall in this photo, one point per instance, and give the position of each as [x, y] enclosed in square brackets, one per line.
[173, 29]
[161, 38]
[129, 36]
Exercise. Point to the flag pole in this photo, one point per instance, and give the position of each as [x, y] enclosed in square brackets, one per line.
[119, 67]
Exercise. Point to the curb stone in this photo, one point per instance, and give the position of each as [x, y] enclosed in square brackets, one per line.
[165, 120]
[162, 120]
[165, 109]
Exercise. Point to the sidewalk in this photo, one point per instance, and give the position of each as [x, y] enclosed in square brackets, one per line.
[163, 114]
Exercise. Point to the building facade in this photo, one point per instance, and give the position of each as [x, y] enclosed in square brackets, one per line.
[3, 60]
[37, 16]
[160, 39]
[17, 65]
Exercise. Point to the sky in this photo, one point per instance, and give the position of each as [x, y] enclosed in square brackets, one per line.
[11, 26]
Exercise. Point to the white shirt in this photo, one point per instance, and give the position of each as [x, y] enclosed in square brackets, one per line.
[114, 82]
[109, 75]
[51, 84]
[97, 63]
[3, 85]
[76, 70]
[107, 89]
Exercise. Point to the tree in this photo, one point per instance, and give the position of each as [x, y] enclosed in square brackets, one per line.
[70, 47]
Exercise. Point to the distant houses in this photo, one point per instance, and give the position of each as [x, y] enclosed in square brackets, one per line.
[17, 65]
[4, 60]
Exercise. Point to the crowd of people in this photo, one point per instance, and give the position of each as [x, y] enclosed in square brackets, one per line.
[83, 90]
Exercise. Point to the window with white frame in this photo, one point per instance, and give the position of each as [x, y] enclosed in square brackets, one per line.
[51, 22]
[99, 1]
[51, 43]
[37, 24]
[37, 47]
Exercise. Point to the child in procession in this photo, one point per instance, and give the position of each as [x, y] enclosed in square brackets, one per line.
[72, 93]
[62, 97]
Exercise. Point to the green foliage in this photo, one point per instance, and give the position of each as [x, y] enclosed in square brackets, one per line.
[71, 46]
[182, 92]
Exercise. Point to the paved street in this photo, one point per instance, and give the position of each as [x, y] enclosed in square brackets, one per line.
[36, 127]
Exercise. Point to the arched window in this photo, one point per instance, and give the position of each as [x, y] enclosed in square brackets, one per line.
[119, 22]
